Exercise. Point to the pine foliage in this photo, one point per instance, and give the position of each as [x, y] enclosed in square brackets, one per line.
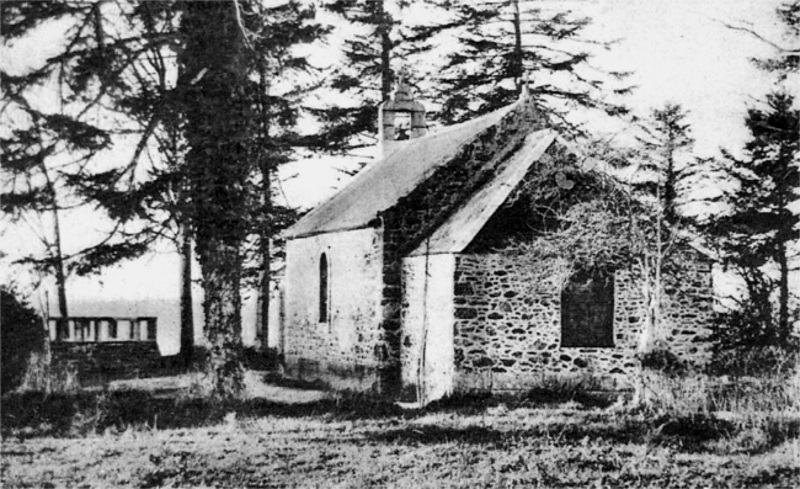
[759, 227]
[380, 37]
[500, 44]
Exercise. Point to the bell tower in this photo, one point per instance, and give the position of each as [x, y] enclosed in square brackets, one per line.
[390, 114]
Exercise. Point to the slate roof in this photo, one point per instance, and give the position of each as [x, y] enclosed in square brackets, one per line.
[383, 183]
[462, 226]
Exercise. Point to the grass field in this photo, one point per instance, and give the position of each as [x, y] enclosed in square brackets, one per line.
[131, 438]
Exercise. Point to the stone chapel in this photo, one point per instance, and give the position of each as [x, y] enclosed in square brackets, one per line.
[390, 286]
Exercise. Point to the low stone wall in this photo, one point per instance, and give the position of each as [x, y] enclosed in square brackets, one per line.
[507, 332]
[105, 360]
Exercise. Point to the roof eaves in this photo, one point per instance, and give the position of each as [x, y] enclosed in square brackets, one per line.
[462, 226]
[337, 213]
[328, 231]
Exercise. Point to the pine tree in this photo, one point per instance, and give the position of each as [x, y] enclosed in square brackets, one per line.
[218, 123]
[380, 38]
[274, 32]
[153, 202]
[757, 230]
[161, 203]
[661, 171]
[237, 131]
[94, 70]
[760, 227]
[33, 186]
[500, 43]
[666, 163]
[365, 76]
[787, 57]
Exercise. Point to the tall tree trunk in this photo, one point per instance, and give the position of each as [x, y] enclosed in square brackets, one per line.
[223, 320]
[61, 279]
[266, 260]
[659, 262]
[519, 70]
[385, 30]
[784, 327]
[266, 194]
[669, 188]
[187, 313]
[218, 123]
[265, 251]
[58, 259]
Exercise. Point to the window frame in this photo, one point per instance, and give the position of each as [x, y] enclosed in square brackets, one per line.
[151, 331]
[324, 296]
[602, 331]
[112, 332]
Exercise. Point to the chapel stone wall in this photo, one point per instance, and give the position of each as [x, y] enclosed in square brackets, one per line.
[342, 351]
[507, 333]
[427, 338]
[689, 308]
[419, 213]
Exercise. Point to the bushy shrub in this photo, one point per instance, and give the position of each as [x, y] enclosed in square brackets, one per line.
[39, 376]
[753, 323]
[585, 389]
[664, 361]
[21, 334]
[258, 359]
[754, 361]
[747, 341]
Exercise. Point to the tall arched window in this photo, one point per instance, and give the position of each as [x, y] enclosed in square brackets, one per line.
[323, 288]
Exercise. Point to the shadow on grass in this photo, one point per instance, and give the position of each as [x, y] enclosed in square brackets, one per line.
[34, 414]
[76, 414]
[277, 379]
[559, 433]
[38, 414]
[536, 398]
[691, 433]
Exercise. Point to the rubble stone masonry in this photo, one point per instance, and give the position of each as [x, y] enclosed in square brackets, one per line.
[416, 215]
[108, 359]
[507, 331]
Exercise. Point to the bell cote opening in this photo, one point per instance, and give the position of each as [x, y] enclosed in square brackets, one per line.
[401, 117]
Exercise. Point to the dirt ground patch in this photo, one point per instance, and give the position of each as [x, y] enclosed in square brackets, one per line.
[257, 384]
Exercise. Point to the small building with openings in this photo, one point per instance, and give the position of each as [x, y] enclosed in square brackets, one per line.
[421, 278]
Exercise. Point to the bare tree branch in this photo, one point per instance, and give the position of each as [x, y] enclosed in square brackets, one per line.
[784, 51]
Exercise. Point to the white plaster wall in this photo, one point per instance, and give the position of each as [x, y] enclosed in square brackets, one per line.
[344, 347]
[428, 283]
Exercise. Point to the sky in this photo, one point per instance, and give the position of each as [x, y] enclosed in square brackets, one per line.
[679, 51]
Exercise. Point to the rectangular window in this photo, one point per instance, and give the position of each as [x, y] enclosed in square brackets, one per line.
[83, 329]
[111, 328]
[61, 327]
[124, 329]
[73, 333]
[150, 332]
[587, 311]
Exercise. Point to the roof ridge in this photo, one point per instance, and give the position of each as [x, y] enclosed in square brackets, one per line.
[383, 182]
